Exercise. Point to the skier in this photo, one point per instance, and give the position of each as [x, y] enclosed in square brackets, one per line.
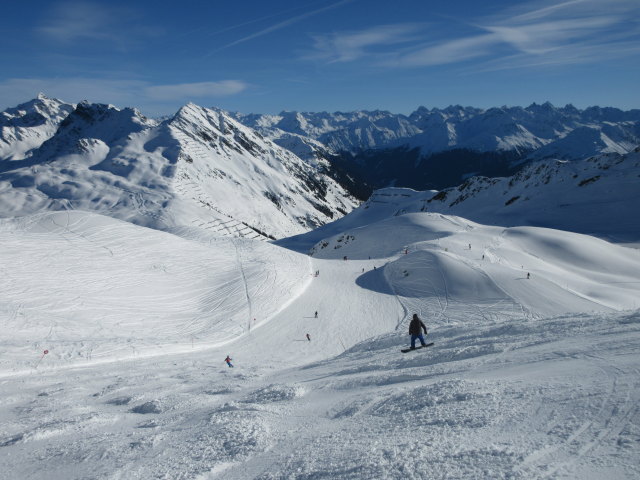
[308, 337]
[316, 316]
[528, 275]
[228, 360]
[415, 330]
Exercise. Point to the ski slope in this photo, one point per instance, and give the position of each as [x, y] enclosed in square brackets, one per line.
[528, 378]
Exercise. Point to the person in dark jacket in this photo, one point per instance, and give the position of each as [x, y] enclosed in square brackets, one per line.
[415, 330]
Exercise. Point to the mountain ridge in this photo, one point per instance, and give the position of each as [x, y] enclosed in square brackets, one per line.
[197, 168]
[526, 128]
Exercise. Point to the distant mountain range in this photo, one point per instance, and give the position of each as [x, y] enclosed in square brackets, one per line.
[272, 176]
[199, 168]
[438, 148]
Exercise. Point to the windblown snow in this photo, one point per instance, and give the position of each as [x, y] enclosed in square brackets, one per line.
[533, 372]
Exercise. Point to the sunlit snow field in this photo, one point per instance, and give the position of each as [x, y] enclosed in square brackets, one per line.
[528, 377]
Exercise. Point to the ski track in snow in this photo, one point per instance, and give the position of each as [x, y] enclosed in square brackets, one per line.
[521, 382]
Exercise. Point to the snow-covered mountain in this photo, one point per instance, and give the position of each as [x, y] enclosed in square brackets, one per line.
[598, 196]
[198, 168]
[438, 148]
[27, 126]
[114, 346]
[505, 129]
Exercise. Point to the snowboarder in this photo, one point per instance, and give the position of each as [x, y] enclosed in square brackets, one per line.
[415, 330]
[316, 315]
[308, 337]
[228, 360]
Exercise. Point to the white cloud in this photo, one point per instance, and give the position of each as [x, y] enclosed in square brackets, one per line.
[284, 23]
[452, 51]
[585, 31]
[73, 21]
[151, 99]
[195, 90]
[349, 46]
[121, 92]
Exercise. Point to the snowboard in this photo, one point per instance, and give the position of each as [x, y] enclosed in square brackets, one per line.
[417, 348]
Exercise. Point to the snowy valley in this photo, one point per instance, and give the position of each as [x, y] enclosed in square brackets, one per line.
[115, 334]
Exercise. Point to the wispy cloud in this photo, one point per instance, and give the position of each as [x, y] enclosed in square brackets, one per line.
[195, 90]
[282, 24]
[73, 21]
[154, 99]
[532, 34]
[122, 92]
[452, 51]
[349, 46]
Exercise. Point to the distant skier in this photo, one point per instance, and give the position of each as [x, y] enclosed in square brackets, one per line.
[415, 330]
[528, 275]
[228, 360]
[308, 337]
[316, 315]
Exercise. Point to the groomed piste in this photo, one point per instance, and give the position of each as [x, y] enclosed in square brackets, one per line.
[533, 372]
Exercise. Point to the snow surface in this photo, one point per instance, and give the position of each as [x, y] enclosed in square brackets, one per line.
[528, 378]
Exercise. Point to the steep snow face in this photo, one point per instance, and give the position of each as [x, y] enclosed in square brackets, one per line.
[249, 178]
[599, 196]
[27, 126]
[504, 129]
[199, 168]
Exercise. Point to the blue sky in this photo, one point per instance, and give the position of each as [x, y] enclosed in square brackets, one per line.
[264, 57]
